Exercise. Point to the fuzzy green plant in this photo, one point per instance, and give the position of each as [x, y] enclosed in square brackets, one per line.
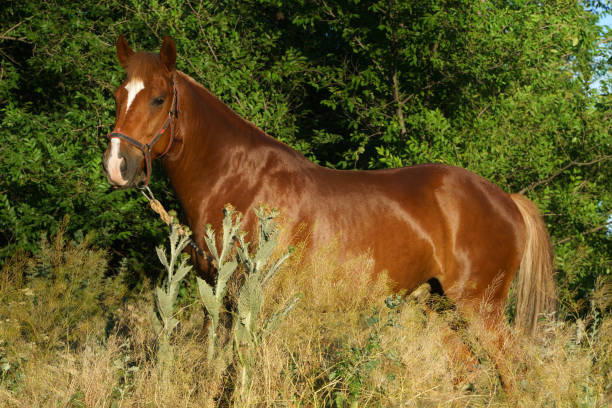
[249, 327]
[213, 296]
[164, 321]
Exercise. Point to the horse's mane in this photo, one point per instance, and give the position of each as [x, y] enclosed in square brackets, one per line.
[224, 107]
[144, 65]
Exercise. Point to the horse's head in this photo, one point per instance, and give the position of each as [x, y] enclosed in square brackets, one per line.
[146, 108]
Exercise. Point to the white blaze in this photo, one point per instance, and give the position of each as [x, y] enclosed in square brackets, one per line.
[114, 162]
[133, 87]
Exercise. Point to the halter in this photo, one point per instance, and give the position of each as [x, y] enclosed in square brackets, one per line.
[146, 148]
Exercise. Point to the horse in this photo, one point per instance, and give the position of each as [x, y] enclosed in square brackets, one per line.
[429, 223]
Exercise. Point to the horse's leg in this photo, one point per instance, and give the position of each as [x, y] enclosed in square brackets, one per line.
[488, 331]
[463, 352]
[476, 333]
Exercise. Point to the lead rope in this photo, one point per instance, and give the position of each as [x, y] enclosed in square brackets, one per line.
[167, 219]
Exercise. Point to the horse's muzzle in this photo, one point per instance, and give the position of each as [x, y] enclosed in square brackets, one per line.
[122, 170]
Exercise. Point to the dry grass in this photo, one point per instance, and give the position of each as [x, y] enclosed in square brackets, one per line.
[343, 345]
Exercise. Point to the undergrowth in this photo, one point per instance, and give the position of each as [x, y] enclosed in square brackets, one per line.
[69, 336]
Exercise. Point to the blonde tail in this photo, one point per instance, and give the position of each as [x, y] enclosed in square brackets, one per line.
[536, 293]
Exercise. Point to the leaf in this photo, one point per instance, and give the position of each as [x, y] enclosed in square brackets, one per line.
[263, 254]
[164, 303]
[182, 270]
[183, 242]
[242, 334]
[171, 324]
[208, 298]
[250, 301]
[272, 271]
[173, 237]
[226, 271]
[161, 254]
[210, 242]
[230, 229]
[243, 253]
[157, 324]
[277, 318]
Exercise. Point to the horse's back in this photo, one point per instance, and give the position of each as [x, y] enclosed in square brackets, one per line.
[423, 222]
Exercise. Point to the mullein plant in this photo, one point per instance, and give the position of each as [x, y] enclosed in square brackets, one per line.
[213, 296]
[249, 327]
[177, 267]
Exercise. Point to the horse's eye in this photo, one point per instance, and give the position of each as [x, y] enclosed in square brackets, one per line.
[157, 101]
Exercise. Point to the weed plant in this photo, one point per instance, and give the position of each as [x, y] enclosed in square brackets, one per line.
[249, 327]
[177, 267]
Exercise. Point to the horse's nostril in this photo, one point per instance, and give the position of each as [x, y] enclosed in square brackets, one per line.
[123, 167]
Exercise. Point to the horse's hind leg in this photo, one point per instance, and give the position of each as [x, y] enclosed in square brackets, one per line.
[488, 331]
[477, 329]
[466, 354]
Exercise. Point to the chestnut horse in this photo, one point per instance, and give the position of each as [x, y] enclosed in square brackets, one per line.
[427, 223]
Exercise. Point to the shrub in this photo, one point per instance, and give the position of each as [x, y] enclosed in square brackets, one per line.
[55, 301]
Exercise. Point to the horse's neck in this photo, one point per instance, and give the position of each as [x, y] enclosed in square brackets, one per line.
[217, 142]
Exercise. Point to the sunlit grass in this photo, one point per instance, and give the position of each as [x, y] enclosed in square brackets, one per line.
[70, 337]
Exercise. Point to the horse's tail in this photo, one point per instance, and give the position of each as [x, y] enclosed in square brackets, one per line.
[536, 292]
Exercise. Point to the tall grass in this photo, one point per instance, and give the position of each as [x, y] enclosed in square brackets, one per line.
[70, 337]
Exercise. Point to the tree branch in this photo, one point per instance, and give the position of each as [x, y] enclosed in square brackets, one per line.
[560, 171]
[4, 36]
[592, 230]
[399, 110]
[396, 91]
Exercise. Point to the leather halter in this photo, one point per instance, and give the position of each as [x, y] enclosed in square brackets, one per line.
[146, 147]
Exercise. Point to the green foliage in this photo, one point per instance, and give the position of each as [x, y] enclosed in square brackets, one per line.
[503, 89]
[56, 108]
[353, 370]
[355, 362]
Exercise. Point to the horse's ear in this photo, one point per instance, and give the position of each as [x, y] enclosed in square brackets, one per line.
[168, 53]
[124, 52]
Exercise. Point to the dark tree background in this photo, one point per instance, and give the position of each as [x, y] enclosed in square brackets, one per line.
[502, 88]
